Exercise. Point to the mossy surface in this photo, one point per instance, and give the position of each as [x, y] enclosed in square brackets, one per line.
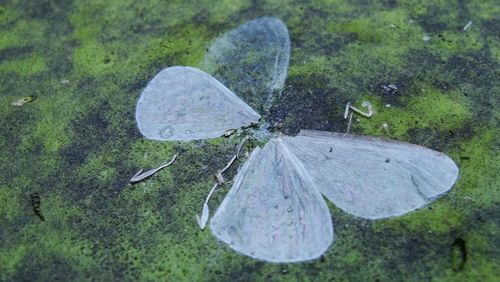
[77, 144]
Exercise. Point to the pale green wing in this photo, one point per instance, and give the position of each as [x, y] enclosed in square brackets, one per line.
[252, 60]
[184, 103]
[372, 177]
[273, 212]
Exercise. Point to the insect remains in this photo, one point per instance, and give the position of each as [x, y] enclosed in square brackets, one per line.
[35, 204]
[275, 209]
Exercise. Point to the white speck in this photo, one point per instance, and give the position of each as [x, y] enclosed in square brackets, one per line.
[387, 105]
[385, 126]
[166, 132]
[65, 81]
[392, 26]
[467, 26]
[426, 38]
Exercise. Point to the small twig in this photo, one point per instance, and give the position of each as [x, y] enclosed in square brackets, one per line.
[365, 104]
[202, 221]
[349, 123]
[140, 175]
[205, 213]
[218, 175]
[349, 109]
[467, 26]
[241, 145]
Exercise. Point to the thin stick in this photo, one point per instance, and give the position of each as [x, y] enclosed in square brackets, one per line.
[347, 109]
[205, 213]
[228, 164]
[140, 175]
[349, 123]
[219, 173]
[241, 146]
[467, 26]
[366, 105]
[211, 192]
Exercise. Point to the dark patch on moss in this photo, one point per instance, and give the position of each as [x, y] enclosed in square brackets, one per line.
[60, 63]
[481, 71]
[90, 130]
[491, 27]
[422, 61]
[53, 268]
[391, 4]
[12, 53]
[459, 254]
[441, 140]
[8, 83]
[241, 272]
[298, 106]
[478, 69]
[44, 9]
[15, 124]
[473, 67]
[87, 86]
[93, 135]
[432, 20]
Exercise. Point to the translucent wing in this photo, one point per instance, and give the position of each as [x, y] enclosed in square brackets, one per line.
[183, 103]
[252, 60]
[372, 177]
[272, 211]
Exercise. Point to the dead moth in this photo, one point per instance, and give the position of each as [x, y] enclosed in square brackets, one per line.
[275, 210]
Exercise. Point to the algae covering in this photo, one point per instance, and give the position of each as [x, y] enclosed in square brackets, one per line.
[68, 155]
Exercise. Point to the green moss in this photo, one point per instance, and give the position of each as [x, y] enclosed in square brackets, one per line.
[94, 59]
[173, 264]
[51, 126]
[22, 33]
[77, 144]
[149, 153]
[479, 164]
[10, 260]
[222, 10]
[439, 111]
[11, 207]
[454, 41]
[362, 28]
[27, 66]
[99, 168]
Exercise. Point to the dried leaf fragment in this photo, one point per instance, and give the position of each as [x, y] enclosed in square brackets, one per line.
[21, 102]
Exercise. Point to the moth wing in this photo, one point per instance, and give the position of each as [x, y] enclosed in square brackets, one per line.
[184, 103]
[372, 177]
[273, 211]
[252, 60]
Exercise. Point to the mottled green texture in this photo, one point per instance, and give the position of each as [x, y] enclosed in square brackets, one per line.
[77, 144]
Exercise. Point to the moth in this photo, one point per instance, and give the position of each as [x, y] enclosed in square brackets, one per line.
[275, 210]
